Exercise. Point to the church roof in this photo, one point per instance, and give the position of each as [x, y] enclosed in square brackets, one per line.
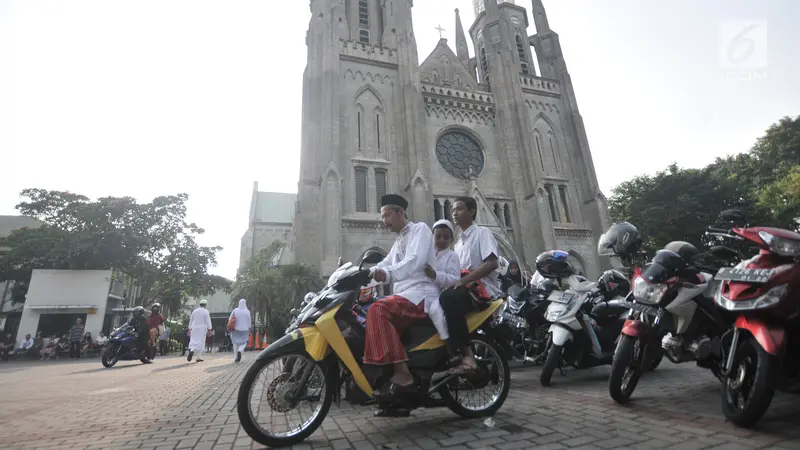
[433, 64]
[275, 207]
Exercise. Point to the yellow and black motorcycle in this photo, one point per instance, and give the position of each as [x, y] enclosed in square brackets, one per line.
[287, 392]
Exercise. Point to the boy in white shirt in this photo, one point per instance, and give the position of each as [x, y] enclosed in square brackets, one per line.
[445, 274]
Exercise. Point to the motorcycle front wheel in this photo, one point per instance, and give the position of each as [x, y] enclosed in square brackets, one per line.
[748, 389]
[266, 392]
[626, 369]
[552, 362]
[109, 356]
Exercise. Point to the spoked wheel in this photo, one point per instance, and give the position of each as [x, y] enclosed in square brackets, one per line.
[484, 392]
[625, 369]
[274, 409]
[748, 390]
[554, 361]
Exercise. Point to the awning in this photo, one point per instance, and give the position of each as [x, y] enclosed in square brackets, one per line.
[61, 306]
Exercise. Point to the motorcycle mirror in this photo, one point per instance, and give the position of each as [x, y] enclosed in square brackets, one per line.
[372, 257]
[340, 262]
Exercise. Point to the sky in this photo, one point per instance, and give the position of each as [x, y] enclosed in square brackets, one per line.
[149, 98]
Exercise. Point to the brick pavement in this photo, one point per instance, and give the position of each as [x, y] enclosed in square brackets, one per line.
[172, 404]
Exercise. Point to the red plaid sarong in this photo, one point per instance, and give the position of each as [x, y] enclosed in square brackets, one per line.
[386, 319]
[480, 296]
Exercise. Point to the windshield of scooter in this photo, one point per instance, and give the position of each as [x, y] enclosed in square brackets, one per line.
[338, 273]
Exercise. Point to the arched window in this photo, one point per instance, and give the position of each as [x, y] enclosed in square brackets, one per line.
[507, 216]
[562, 192]
[523, 60]
[437, 210]
[498, 212]
[361, 189]
[448, 210]
[363, 21]
[551, 202]
[484, 66]
[552, 150]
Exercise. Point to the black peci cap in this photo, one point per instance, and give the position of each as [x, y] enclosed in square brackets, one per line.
[394, 199]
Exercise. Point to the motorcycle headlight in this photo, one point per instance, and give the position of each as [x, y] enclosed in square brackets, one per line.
[783, 247]
[645, 292]
[772, 297]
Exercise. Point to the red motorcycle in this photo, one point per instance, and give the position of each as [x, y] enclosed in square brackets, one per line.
[764, 352]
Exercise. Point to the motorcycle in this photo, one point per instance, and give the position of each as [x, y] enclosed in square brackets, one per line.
[323, 350]
[521, 328]
[762, 291]
[584, 324]
[672, 313]
[122, 346]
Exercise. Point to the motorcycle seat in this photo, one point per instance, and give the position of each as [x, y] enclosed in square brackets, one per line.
[419, 332]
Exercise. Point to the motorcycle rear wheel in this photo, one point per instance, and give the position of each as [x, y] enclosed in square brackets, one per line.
[273, 394]
[625, 363]
[756, 371]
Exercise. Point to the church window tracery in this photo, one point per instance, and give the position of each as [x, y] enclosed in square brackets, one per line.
[484, 66]
[551, 202]
[539, 150]
[507, 216]
[361, 189]
[378, 129]
[553, 150]
[460, 155]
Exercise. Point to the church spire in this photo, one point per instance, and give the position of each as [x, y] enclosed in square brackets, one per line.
[490, 6]
[461, 40]
[539, 17]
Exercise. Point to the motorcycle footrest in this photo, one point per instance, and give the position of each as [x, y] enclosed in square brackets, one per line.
[393, 412]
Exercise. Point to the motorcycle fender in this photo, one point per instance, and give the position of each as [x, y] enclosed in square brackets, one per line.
[635, 328]
[560, 335]
[308, 340]
[771, 339]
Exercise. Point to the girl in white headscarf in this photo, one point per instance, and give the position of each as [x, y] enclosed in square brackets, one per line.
[241, 329]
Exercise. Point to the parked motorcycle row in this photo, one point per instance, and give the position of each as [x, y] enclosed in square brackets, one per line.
[737, 316]
[734, 313]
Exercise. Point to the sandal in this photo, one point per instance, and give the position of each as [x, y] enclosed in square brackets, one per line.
[462, 369]
[393, 390]
[454, 361]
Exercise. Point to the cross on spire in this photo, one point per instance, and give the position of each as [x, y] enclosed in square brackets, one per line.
[440, 29]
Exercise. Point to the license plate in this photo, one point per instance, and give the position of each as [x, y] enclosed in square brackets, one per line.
[640, 307]
[561, 297]
[744, 275]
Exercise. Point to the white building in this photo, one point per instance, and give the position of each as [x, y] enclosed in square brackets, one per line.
[101, 298]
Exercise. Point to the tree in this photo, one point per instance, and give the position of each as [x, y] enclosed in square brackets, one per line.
[272, 290]
[151, 241]
[678, 204]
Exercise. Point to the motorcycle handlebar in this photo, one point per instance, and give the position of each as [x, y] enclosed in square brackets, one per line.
[718, 230]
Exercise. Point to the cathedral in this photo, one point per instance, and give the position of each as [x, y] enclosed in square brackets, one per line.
[375, 121]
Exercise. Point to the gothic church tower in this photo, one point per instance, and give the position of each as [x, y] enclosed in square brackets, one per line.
[375, 121]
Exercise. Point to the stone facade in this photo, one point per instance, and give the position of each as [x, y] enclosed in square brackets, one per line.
[377, 121]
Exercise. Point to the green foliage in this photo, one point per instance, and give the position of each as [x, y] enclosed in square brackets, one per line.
[678, 204]
[273, 290]
[151, 241]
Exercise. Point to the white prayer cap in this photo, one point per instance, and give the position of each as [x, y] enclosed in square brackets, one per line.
[446, 223]
[203, 302]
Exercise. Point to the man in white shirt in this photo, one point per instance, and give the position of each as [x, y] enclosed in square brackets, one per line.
[27, 344]
[477, 252]
[199, 327]
[404, 267]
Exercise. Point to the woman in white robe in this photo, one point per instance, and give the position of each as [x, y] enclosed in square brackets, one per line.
[241, 329]
[199, 327]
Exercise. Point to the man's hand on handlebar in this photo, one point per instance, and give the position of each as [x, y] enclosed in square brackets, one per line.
[379, 275]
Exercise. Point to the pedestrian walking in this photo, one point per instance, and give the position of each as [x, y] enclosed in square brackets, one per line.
[239, 328]
[199, 327]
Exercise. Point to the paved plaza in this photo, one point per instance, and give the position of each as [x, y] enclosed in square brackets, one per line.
[172, 404]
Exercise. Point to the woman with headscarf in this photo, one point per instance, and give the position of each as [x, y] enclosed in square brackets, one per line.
[241, 329]
[512, 276]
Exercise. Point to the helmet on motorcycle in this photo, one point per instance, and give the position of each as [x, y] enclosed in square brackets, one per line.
[613, 283]
[622, 239]
[156, 308]
[685, 250]
[554, 264]
[138, 311]
[665, 265]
